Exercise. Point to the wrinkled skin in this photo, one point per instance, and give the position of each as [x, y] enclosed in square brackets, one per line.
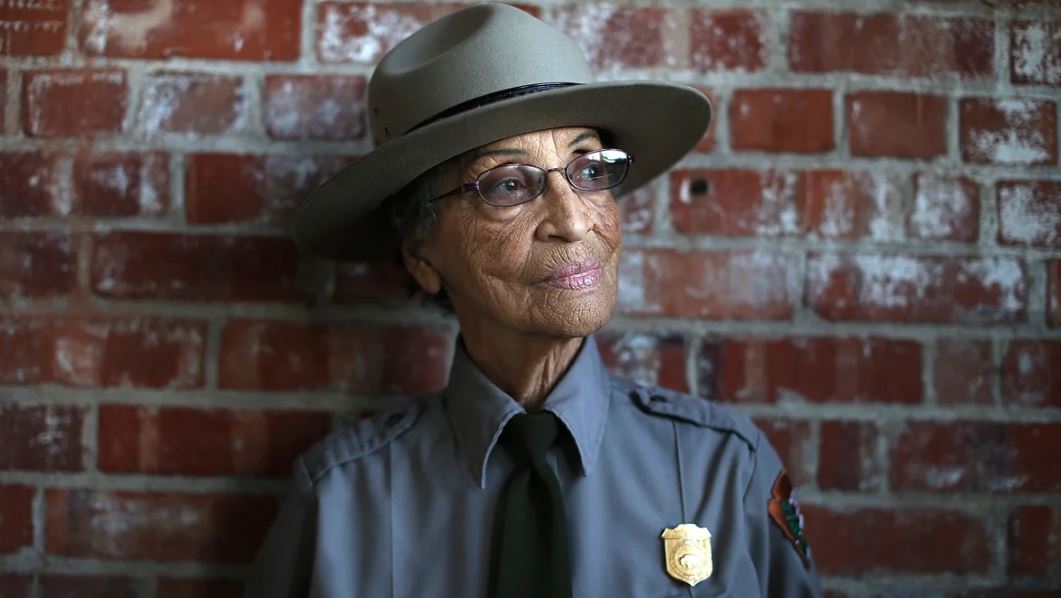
[491, 261]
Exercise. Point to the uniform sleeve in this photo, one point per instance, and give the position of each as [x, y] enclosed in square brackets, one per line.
[777, 544]
[284, 563]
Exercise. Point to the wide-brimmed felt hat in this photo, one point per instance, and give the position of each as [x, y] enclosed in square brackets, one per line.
[484, 73]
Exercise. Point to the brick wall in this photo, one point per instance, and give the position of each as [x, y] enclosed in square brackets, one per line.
[864, 254]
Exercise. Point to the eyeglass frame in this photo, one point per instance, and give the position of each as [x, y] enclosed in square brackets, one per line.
[474, 185]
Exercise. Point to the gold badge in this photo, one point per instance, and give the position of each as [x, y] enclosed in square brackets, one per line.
[687, 549]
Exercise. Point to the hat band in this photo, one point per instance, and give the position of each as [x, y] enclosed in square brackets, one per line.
[490, 98]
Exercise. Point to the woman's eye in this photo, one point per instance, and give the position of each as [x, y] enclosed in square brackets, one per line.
[592, 171]
[509, 186]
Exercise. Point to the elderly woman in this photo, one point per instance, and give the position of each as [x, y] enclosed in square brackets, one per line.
[535, 472]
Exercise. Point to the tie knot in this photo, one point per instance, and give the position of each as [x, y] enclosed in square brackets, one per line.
[529, 435]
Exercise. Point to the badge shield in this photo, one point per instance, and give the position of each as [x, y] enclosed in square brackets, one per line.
[687, 550]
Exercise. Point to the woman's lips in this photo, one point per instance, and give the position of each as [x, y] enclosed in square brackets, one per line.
[579, 275]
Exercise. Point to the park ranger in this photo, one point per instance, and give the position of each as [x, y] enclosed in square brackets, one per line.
[498, 170]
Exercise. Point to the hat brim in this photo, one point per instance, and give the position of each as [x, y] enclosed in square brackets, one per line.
[658, 122]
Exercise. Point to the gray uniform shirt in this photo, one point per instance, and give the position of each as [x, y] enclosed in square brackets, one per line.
[403, 503]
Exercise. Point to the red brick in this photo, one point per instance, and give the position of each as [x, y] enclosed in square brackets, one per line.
[16, 513]
[977, 457]
[41, 437]
[14, 585]
[638, 209]
[1034, 540]
[205, 442]
[223, 188]
[33, 28]
[1053, 309]
[657, 360]
[363, 32]
[88, 586]
[901, 125]
[782, 120]
[372, 282]
[740, 285]
[615, 36]
[848, 457]
[964, 371]
[945, 209]
[1035, 52]
[854, 205]
[216, 528]
[909, 288]
[1007, 131]
[325, 107]
[887, 44]
[815, 369]
[707, 142]
[1031, 373]
[737, 202]
[109, 184]
[144, 265]
[173, 587]
[32, 185]
[288, 356]
[727, 40]
[1029, 213]
[791, 439]
[3, 94]
[92, 352]
[858, 540]
[73, 103]
[234, 30]
[37, 264]
[199, 103]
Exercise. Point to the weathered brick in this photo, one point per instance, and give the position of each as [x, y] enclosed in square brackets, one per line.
[234, 30]
[199, 103]
[90, 352]
[363, 32]
[967, 456]
[857, 541]
[223, 188]
[737, 202]
[15, 585]
[113, 184]
[1053, 308]
[1031, 373]
[889, 44]
[372, 282]
[266, 355]
[853, 205]
[16, 512]
[33, 28]
[3, 105]
[326, 107]
[964, 371]
[614, 36]
[782, 120]
[791, 439]
[814, 369]
[911, 288]
[174, 587]
[897, 124]
[54, 585]
[1007, 131]
[638, 209]
[727, 40]
[32, 185]
[1035, 52]
[647, 358]
[848, 457]
[114, 524]
[945, 209]
[37, 264]
[145, 265]
[738, 285]
[205, 442]
[1034, 540]
[41, 437]
[73, 103]
[1029, 213]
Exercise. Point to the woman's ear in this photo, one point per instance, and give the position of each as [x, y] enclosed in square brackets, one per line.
[420, 268]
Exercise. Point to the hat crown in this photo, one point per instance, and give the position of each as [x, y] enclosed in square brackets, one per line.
[474, 52]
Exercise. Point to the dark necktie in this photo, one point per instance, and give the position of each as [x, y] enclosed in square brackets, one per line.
[531, 558]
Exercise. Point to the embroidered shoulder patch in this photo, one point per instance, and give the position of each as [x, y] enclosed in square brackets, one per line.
[784, 510]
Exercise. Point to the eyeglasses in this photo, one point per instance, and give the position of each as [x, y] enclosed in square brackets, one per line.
[512, 184]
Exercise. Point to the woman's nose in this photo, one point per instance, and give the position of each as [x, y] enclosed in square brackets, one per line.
[568, 217]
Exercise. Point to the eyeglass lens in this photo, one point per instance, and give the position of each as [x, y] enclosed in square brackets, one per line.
[513, 184]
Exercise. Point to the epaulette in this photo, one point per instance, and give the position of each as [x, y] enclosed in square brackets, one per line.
[360, 438]
[682, 406]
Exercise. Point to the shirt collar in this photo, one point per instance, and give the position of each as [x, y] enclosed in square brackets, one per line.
[479, 410]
